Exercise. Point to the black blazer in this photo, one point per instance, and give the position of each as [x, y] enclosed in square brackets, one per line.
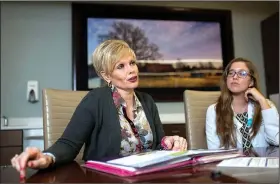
[95, 122]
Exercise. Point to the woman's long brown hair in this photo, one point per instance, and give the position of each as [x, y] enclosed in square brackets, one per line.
[224, 112]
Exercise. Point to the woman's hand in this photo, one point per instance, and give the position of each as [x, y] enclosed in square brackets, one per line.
[255, 95]
[32, 157]
[175, 143]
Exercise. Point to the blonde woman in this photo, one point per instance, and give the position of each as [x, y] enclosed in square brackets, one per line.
[110, 121]
[242, 116]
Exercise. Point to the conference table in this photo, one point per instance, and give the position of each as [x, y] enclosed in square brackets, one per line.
[205, 173]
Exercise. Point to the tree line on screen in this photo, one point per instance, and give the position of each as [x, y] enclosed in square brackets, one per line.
[156, 68]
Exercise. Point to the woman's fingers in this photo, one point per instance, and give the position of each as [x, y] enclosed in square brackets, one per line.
[167, 143]
[180, 143]
[41, 163]
[183, 144]
[253, 94]
[24, 157]
[22, 161]
[176, 143]
[186, 145]
[19, 162]
[246, 95]
[251, 97]
[15, 163]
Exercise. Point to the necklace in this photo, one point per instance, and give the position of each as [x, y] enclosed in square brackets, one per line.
[245, 109]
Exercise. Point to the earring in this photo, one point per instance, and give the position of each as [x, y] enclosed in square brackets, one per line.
[109, 84]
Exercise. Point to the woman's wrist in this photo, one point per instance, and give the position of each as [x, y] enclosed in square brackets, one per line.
[50, 159]
[264, 104]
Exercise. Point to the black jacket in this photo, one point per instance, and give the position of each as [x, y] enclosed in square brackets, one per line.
[95, 122]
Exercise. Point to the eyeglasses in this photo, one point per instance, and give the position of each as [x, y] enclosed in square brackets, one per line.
[241, 73]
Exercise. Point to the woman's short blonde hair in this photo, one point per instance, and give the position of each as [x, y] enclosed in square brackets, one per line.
[108, 53]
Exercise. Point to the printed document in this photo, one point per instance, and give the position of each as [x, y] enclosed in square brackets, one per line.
[251, 162]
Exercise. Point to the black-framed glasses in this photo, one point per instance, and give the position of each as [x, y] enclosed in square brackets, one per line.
[241, 73]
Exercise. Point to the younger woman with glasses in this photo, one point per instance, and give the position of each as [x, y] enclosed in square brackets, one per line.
[242, 116]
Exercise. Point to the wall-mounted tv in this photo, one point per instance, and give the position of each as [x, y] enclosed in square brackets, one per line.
[176, 48]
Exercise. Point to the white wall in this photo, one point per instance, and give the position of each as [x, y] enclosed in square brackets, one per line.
[36, 45]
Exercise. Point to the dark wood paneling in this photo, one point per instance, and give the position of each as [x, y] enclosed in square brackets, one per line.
[11, 143]
[11, 138]
[175, 129]
[7, 153]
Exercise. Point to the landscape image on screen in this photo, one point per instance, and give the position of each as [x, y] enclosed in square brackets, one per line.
[169, 54]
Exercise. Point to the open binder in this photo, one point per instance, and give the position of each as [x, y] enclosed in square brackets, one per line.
[154, 161]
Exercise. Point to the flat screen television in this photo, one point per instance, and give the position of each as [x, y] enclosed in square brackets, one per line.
[176, 48]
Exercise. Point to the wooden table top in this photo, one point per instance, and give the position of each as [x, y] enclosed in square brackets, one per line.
[74, 173]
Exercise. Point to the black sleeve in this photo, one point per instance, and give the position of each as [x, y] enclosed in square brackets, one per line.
[67, 147]
[157, 122]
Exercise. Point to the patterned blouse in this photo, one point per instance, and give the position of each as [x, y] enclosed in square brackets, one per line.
[245, 129]
[132, 131]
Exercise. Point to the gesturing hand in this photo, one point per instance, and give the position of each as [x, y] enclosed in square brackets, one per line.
[32, 157]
